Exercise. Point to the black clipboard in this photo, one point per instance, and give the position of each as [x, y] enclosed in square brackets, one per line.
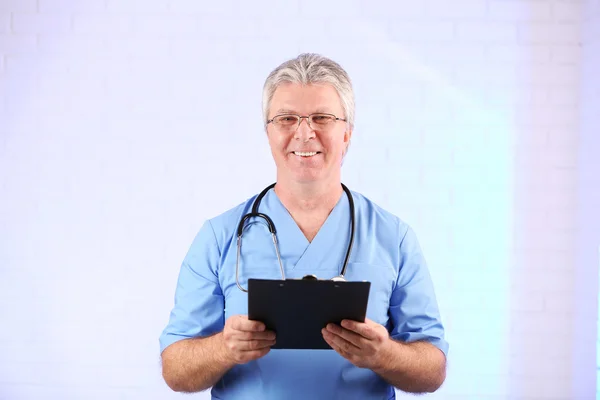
[297, 309]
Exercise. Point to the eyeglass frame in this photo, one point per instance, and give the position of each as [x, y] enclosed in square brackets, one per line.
[300, 118]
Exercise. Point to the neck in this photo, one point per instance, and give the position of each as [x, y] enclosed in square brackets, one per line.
[312, 196]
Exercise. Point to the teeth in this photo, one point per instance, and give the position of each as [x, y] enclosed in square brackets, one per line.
[305, 154]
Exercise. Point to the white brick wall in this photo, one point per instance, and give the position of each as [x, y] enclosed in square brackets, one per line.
[588, 217]
[476, 123]
[13, 44]
[18, 6]
[40, 23]
[70, 6]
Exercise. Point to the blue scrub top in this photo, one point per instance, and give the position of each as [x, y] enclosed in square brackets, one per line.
[386, 253]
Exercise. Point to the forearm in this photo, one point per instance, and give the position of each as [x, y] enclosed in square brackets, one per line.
[193, 365]
[417, 367]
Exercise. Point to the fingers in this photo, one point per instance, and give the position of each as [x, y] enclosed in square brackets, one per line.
[339, 344]
[242, 323]
[244, 351]
[353, 338]
[250, 345]
[247, 340]
[247, 356]
[365, 329]
[243, 335]
[244, 356]
[244, 329]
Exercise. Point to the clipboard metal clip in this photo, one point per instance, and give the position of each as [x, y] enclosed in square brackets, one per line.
[312, 277]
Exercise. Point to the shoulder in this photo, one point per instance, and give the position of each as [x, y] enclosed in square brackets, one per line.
[377, 217]
[224, 225]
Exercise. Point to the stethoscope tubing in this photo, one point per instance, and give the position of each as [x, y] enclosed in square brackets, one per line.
[272, 230]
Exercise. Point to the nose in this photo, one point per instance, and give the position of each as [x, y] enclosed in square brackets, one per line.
[304, 131]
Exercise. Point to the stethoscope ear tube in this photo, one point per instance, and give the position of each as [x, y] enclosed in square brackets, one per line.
[352, 229]
[260, 196]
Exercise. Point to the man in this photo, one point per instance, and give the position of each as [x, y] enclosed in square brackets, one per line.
[308, 107]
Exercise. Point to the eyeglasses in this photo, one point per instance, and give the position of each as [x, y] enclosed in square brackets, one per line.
[318, 122]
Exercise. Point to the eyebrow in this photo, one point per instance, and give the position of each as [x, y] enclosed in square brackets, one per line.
[284, 111]
[322, 110]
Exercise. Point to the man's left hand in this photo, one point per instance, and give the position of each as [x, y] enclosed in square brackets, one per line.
[365, 344]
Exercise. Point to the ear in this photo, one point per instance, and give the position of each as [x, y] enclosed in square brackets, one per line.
[347, 139]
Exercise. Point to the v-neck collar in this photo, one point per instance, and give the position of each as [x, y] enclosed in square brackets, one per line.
[328, 247]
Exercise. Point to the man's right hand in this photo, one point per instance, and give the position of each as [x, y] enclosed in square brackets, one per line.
[246, 340]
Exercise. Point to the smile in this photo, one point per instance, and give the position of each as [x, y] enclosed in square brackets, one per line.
[306, 153]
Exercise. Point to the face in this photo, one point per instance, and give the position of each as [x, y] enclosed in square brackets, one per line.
[294, 152]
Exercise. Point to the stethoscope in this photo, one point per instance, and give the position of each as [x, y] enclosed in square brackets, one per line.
[271, 226]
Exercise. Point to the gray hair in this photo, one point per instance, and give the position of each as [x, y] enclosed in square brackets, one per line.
[306, 69]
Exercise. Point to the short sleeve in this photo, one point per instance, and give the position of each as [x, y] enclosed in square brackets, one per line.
[199, 305]
[413, 306]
